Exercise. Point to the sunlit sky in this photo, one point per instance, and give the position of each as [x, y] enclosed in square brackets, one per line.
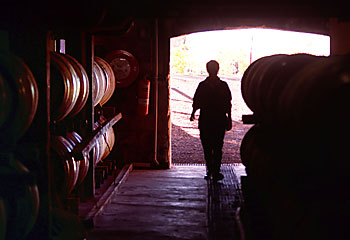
[262, 42]
[253, 42]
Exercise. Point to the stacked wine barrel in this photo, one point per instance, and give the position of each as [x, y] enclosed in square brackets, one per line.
[105, 143]
[69, 172]
[18, 97]
[103, 147]
[70, 85]
[19, 195]
[70, 91]
[296, 154]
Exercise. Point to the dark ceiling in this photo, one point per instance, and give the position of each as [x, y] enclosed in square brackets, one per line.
[84, 14]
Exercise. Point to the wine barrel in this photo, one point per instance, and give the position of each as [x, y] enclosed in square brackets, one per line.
[109, 139]
[104, 144]
[254, 155]
[110, 79]
[99, 84]
[74, 138]
[97, 151]
[19, 97]
[5, 100]
[277, 81]
[316, 100]
[84, 85]
[65, 87]
[65, 168]
[268, 77]
[125, 67]
[277, 177]
[98, 148]
[268, 154]
[253, 77]
[22, 208]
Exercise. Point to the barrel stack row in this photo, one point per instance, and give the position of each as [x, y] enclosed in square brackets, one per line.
[19, 97]
[70, 94]
[70, 85]
[19, 194]
[296, 155]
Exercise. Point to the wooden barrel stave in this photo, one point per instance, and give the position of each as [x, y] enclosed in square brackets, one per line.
[109, 139]
[66, 85]
[84, 85]
[100, 84]
[75, 139]
[110, 79]
[65, 169]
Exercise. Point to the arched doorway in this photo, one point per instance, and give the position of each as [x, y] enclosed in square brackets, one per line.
[234, 50]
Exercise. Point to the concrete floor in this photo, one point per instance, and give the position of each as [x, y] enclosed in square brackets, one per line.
[175, 204]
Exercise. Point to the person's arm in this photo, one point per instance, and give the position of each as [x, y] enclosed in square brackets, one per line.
[228, 110]
[192, 114]
[229, 113]
[195, 105]
[229, 96]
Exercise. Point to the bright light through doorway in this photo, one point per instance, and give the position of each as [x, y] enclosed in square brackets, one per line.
[234, 50]
[189, 53]
[263, 41]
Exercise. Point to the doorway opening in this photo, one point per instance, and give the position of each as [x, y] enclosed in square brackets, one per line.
[234, 50]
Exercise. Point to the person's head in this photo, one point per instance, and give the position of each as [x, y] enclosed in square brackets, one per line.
[213, 67]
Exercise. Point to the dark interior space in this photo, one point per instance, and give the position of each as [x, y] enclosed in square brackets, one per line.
[85, 125]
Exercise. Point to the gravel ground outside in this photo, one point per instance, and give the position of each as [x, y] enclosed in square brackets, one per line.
[185, 143]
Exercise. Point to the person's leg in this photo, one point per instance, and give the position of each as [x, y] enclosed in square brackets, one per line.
[218, 141]
[208, 151]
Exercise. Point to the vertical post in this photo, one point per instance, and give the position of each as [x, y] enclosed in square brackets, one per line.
[80, 45]
[163, 126]
[156, 75]
[87, 61]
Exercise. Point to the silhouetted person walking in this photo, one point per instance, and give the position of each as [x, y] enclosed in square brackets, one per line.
[213, 98]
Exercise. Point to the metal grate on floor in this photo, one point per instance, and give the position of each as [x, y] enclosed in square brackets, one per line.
[188, 164]
[224, 200]
[203, 164]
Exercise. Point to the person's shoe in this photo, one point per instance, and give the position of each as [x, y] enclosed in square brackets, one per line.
[218, 177]
[208, 176]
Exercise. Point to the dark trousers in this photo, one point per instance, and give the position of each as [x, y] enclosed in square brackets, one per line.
[212, 142]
